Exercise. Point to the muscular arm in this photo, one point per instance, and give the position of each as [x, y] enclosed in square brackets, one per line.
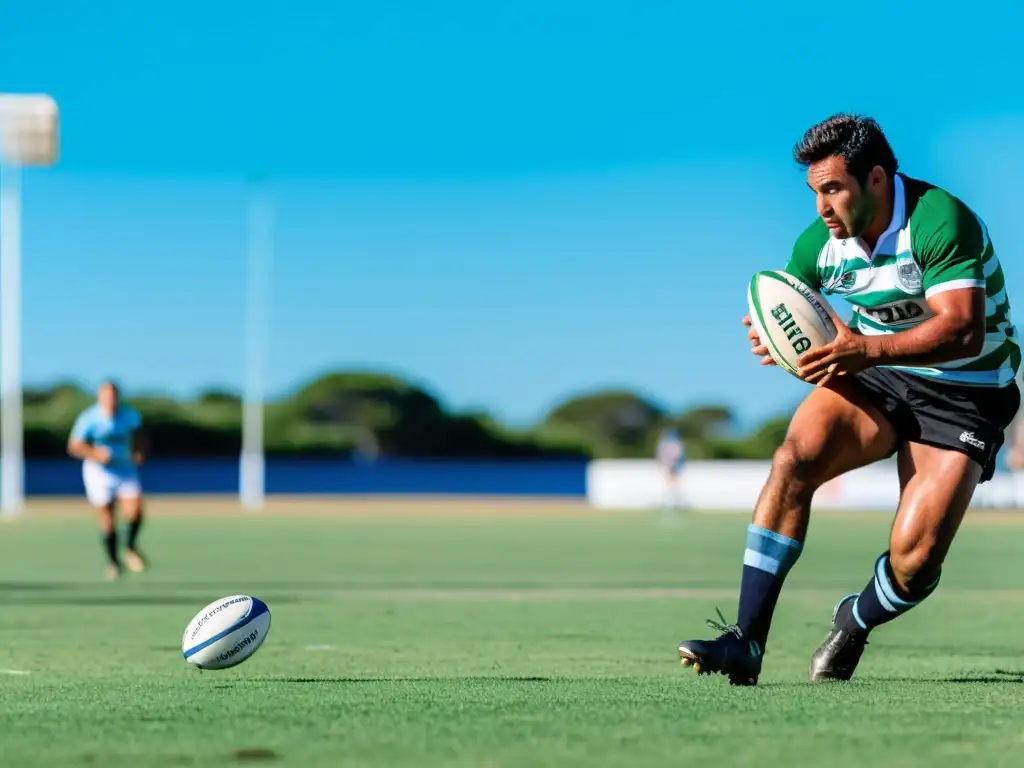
[953, 248]
[80, 442]
[80, 449]
[955, 332]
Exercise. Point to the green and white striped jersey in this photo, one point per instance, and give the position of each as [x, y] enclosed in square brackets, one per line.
[934, 243]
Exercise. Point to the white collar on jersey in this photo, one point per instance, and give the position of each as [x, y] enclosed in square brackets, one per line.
[899, 211]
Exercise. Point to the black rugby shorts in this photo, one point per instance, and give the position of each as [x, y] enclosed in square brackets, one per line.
[970, 420]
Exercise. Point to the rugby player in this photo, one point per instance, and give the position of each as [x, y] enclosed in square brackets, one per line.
[670, 453]
[925, 370]
[107, 438]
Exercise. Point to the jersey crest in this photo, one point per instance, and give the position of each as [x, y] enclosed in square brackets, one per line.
[908, 274]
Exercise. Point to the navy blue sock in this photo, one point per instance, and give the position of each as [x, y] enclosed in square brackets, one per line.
[131, 532]
[110, 546]
[766, 561]
[882, 600]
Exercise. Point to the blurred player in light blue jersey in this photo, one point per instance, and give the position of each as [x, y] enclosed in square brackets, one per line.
[107, 438]
[671, 455]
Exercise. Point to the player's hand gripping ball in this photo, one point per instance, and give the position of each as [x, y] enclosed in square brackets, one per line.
[789, 320]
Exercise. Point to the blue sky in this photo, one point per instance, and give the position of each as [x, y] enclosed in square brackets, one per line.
[509, 204]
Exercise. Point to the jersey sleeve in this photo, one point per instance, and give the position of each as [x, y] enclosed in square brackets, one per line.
[803, 263]
[82, 428]
[950, 244]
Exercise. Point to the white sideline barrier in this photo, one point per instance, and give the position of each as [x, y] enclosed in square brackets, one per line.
[735, 485]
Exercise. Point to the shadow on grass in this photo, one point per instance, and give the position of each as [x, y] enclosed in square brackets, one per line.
[996, 677]
[398, 680]
[30, 586]
[386, 585]
[91, 595]
[254, 754]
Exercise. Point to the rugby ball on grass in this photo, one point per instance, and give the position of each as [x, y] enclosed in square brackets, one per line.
[226, 632]
[790, 317]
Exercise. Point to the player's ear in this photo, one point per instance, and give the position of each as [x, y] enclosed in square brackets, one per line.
[877, 180]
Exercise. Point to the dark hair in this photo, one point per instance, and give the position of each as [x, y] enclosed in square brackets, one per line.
[858, 140]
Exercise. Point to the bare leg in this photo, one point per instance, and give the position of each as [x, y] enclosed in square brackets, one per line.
[108, 534]
[937, 485]
[132, 509]
[834, 431]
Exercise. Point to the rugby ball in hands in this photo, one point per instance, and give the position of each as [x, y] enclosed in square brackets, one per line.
[789, 316]
[226, 632]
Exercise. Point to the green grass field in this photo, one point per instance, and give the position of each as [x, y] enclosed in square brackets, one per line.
[491, 640]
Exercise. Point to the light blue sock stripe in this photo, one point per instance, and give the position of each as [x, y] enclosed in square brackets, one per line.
[883, 583]
[774, 536]
[856, 615]
[761, 562]
[770, 551]
[880, 594]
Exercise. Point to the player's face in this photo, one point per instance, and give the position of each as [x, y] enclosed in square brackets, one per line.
[845, 205]
[107, 396]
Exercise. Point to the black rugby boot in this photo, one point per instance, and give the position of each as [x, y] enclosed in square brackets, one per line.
[838, 656]
[731, 654]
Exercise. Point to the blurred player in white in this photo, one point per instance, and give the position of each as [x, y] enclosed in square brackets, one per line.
[671, 455]
[107, 438]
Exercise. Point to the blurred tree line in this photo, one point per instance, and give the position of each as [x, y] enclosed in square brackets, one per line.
[370, 415]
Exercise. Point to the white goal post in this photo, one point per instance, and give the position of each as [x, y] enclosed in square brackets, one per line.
[259, 250]
[28, 138]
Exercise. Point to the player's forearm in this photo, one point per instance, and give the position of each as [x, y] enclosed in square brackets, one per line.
[140, 448]
[939, 339]
[82, 451]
